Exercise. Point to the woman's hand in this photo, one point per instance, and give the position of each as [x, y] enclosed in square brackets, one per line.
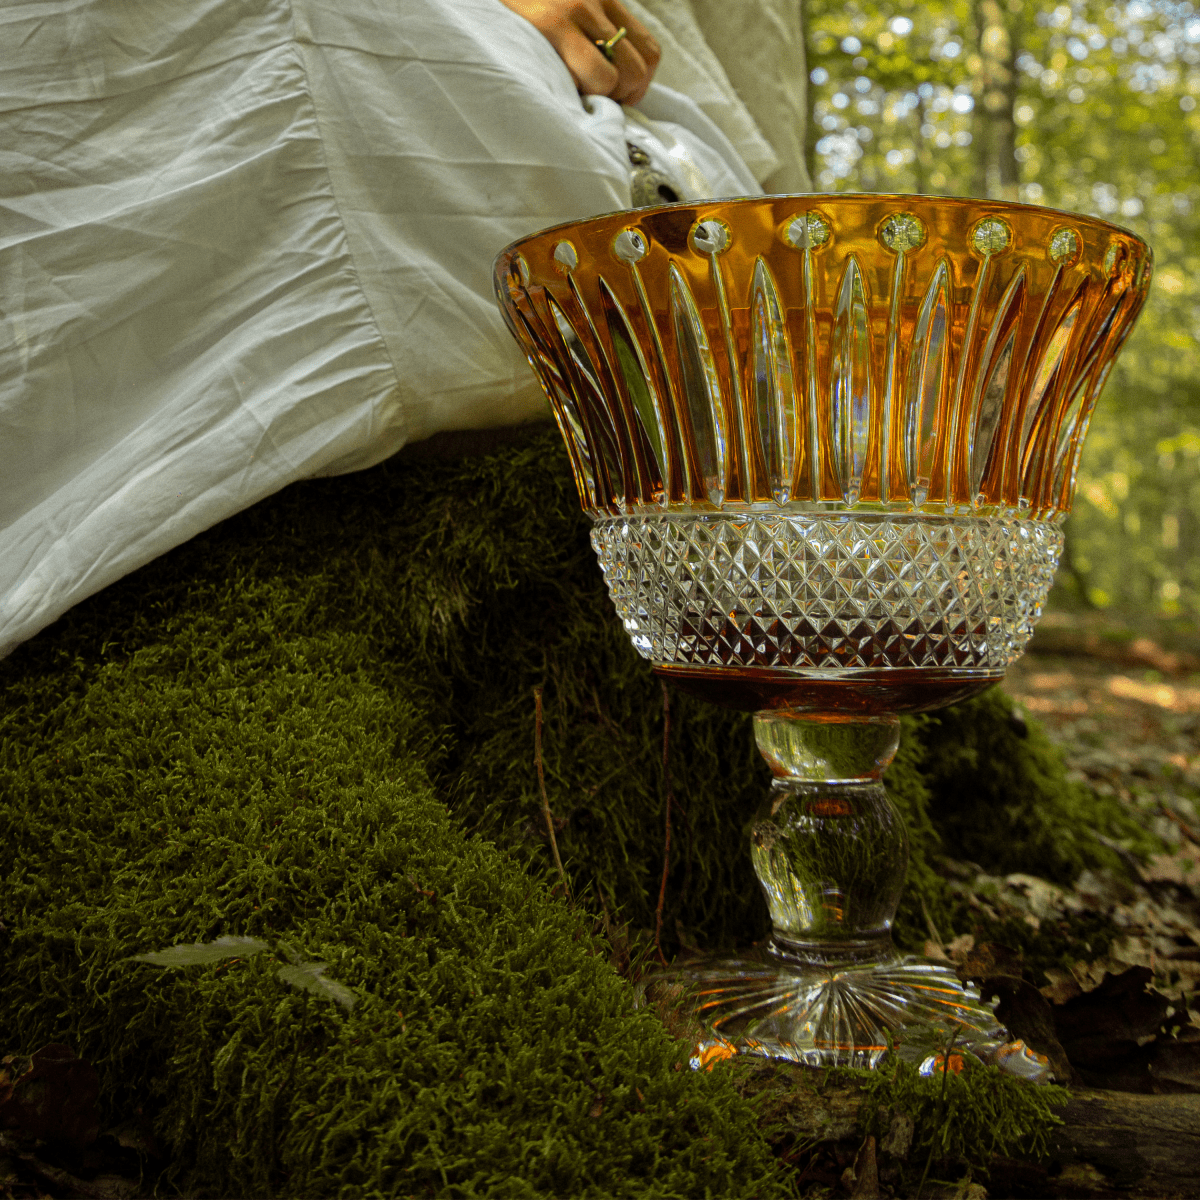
[573, 27]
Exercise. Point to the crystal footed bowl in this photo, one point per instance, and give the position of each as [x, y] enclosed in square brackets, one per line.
[827, 443]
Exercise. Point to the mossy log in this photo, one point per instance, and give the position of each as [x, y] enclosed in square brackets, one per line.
[1109, 1144]
[314, 725]
[1125, 1144]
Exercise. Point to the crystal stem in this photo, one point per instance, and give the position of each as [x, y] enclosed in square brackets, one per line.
[829, 848]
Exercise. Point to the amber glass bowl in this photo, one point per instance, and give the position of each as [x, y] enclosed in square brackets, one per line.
[827, 443]
[905, 352]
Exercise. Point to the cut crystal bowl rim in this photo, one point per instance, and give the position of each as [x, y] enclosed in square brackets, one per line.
[825, 198]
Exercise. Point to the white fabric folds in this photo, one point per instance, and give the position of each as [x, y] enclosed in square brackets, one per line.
[244, 242]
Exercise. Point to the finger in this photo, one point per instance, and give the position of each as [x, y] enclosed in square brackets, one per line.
[639, 37]
[633, 74]
[594, 75]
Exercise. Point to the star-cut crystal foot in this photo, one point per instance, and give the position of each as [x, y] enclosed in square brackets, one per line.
[773, 1005]
[830, 851]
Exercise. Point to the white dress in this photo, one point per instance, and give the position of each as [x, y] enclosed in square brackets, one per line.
[245, 242]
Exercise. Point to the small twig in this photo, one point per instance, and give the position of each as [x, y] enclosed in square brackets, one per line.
[605, 719]
[428, 893]
[1172, 815]
[537, 753]
[931, 927]
[941, 1108]
[662, 889]
[1126, 855]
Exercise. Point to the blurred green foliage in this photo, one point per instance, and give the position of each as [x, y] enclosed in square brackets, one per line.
[1090, 107]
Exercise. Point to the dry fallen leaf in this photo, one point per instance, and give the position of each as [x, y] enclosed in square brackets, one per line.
[960, 947]
[1182, 867]
[1063, 986]
[55, 1099]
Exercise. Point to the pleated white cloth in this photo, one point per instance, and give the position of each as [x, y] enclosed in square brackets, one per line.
[244, 242]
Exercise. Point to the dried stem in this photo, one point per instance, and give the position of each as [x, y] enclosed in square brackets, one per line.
[941, 1108]
[541, 774]
[662, 889]
[608, 933]
[1186, 829]
[931, 927]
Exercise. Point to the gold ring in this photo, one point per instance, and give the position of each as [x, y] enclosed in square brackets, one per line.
[606, 48]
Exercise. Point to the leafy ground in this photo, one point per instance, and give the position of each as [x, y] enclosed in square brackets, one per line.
[1125, 710]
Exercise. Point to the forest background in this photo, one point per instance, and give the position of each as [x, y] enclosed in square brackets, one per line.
[1090, 107]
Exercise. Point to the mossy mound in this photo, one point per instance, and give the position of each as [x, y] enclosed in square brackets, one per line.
[241, 739]
[303, 722]
[959, 1120]
[983, 757]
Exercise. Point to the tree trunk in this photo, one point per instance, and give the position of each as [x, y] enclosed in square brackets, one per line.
[812, 132]
[922, 155]
[998, 176]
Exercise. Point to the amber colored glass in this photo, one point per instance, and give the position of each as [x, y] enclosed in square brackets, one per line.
[894, 353]
[827, 443]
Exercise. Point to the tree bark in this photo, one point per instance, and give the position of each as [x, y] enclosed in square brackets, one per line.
[995, 128]
[812, 132]
[1111, 1144]
[1124, 1144]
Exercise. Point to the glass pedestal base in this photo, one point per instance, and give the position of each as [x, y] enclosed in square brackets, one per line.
[829, 989]
[850, 1012]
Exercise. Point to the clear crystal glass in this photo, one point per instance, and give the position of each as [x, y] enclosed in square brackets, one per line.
[827, 443]
[828, 591]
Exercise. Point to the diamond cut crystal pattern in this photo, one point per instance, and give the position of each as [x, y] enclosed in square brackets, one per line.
[826, 442]
[828, 590]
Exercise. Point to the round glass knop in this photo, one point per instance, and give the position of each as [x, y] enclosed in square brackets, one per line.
[710, 236]
[901, 232]
[807, 231]
[823, 751]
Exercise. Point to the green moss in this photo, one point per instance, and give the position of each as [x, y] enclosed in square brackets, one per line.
[307, 717]
[981, 1115]
[540, 616]
[965, 1118]
[926, 896]
[1000, 795]
[245, 738]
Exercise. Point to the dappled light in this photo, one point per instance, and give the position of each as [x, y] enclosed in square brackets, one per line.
[1090, 107]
